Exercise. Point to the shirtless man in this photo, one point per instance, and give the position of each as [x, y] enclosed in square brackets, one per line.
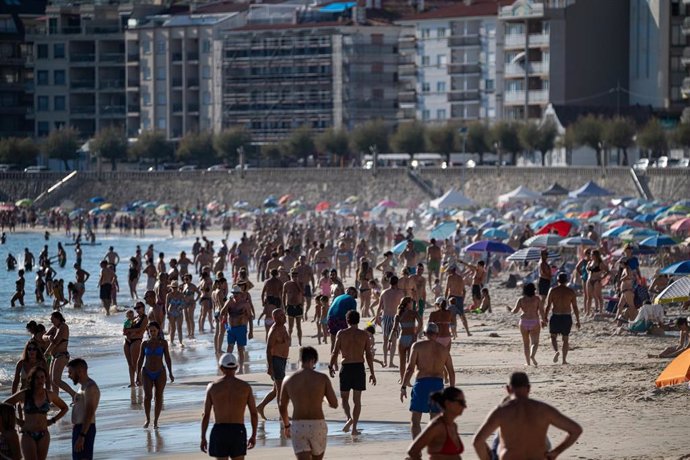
[478, 278]
[523, 424]
[431, 360]
[203, 259]
[355, 347]
[455, 288]
[239, 316]
[420, 289]
[544, 275]
[112, 257]
[321, 259]
[564, 302]
[105, 283]
[228, 397]
[272, 291]
[293, 299]
[83, 410]
[409, 257]
[305, 276]
[388, 305]
[273, 264]
[307, 388]
[433, 260]
[277, 351]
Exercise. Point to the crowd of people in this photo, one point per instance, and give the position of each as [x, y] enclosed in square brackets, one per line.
[415, 297]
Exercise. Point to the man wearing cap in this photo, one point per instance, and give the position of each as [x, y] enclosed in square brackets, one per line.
[431, 360]
[228, 397]
[385, 315]
[293, 299]
[564, 302]
[523, 423]
[239, 315]
[455, 289]
[338, 311]
[355, 347]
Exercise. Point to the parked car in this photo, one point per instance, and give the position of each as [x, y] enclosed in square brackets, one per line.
[8, 167]
[683, 163]
[218, 168]
[36, 169]
[187, 168]
[642, 163]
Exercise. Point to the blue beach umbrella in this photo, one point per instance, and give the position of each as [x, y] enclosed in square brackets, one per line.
[97, 199]
[615, 232]
[680, 268]
[658, 241]
[443, 230]
[489, 246]
[496, 233]
[644, 218]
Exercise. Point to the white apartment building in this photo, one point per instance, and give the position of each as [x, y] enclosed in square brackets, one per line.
[174, 72]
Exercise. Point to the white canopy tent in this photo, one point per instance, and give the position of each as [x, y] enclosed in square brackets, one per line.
[452, 199]
[521, 193]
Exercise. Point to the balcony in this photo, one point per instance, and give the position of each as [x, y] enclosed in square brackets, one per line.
[177, 108]
[177, 83]
[13, 60]
[102, 28]
[518, 70]
[82, 57]
[407, 97]
[192, 56]
[464, 69]
[522, 10]
[112, 110]
[134, 84]
[176, 57]
[685, 88]
[82, 84]
[539, 40]
[133, 108]
[11, 85]
[83, 110]
[111, 84]
[133, 58]
[463, 95]
[194, 108]
[685, 28]
[192, 83]
[518, 97]
[112, 57]
[467, 40]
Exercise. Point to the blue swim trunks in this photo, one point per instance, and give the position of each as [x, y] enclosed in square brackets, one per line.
[237, 335]
[421, 391]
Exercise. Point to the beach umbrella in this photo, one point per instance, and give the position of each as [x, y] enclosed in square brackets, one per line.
[463, 214]
[163, 209]
[106, 206]
[213, 206]
[24, 202]
[577, 241]
[419, 246]
[322, 206]
[284, 199]
[644, 218]
[545, 241]
[615, 232]
[270, 202]
[680, 208]
[443, 230]
[561, 226]
[677, 372]
[496, 234]
[388, 204]
[679, 268]
[682, 225]
[587, 214]
[489, 246]
[658, 241]
[67, 205]
[670, 220]
[678, 291]
[469, 231]
[452, 199]
[97, 199]
[352, 199]
[7, 207]
[623, 223]
[637, 251]
[345, 212]
[491, 224]
[530, 255]
[95, 211]
[637, 233]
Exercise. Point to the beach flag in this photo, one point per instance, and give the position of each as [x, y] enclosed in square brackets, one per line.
[677, 372]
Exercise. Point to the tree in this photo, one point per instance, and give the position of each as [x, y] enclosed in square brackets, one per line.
[442, 139]
[409, 138]
[19, 151]
[528, 134]
[196, 148]
[681, 136]
[589, 131]
[152, 144]
[300, 144]
[619, 133]
[653, 138]
[334, 141]
[505, 135]
[272, 153]
[110, 143]
[478, 139]
[228, 141]
[62, 144]
[547, 139]
[374, 132]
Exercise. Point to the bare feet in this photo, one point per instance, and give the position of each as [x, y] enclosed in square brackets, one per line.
[260, 410]
[356, 432]
[146, 425]
[534, 361]
[348, 425]
[556, 356]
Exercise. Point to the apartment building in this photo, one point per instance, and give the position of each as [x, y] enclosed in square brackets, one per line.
[449, 67]
[173, 72]
[278, 77]
[16, 71]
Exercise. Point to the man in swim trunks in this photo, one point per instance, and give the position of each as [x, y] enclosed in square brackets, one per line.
[228, 397]
[409, 257]
[385, 316]
[431, 360]
[478, 278]
[293, 299]
[338, 311]
[239, 316]
[544, 276]
[420, 289]
[277, 351]
[305, 276]
[307, 388]
[433, 260]
[273, 290]
[105, 284]
[86, 401]
[355, 347]
[564, 302]
[455, 289]
[523, 423]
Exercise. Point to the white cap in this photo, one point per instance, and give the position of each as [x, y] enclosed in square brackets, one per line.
[236, 289]
[431, 328]
[228, 361]
[440, 300]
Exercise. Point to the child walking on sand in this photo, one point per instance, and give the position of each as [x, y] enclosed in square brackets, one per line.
[371, 329]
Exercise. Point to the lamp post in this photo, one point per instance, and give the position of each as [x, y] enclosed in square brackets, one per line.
[240, 153]
[374, 158]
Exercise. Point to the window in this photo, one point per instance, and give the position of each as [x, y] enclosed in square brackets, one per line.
[58, 77]
[489, 84]
[146, 98]
[425, 87]
[160, 98]
[160, 73]
[441, 60]
[42, 51]
[43, 128]
[426, 33]
[160, 47]
[441, 87]
[206, 71]
[146, 124]
[59, 51]
[7, 25]
[425, 115]
[42, 104]
[59, 103]
[206, 46]
[206, 98]
[441, 32]
[147, 73]
[441, 114]
[426, 60]
[160, 124]
[146, 46]
[377, 94]
[377, 39]
[42, 77]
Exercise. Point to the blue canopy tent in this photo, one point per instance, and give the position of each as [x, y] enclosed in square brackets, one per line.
[589, 190]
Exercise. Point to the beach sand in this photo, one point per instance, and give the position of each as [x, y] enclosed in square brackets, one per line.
[608, 388]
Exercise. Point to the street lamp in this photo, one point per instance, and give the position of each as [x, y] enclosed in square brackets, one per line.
[374, 158]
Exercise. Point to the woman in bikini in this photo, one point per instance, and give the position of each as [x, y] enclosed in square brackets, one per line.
[31, 357]
[59, 300]
[58, 338]
[133, 337]
[174, 307]
[443, 318]
[151, 373]
[205, 301]
[36, 402]
[581, 271]
[183, 263]
[627, 294]
[161, 290]
[405, 319]
[151, 274]
[596, 271]
[440, 436]
[191, 296]
[363, 274]
[133, 277]
[531, 320]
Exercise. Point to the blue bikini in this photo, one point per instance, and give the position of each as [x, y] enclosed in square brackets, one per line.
[158, 351]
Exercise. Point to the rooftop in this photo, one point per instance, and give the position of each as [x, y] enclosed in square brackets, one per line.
[459, 10]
